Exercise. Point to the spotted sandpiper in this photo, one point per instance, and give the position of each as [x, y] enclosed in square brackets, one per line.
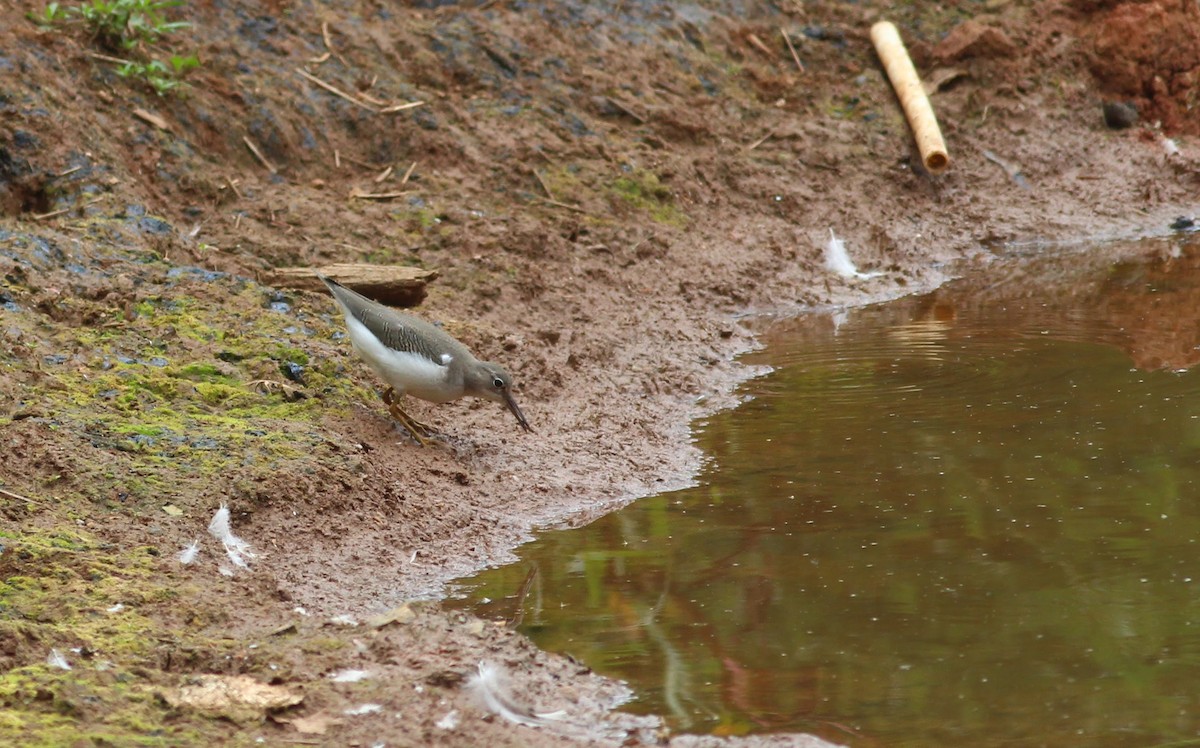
[416, 358]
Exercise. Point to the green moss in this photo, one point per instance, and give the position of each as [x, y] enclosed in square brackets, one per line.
[317, 645]
[138, 428]
[71, 606]
[284, 353]
[420, 219]
[202, 372]
[212, 393]
[644, 191]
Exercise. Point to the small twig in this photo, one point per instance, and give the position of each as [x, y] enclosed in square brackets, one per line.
[372, 100]
[258, 154]
[270, 387]
[337, 158]
[760, 141]
[51, 214]
[106, 58]
[152, 119]
[325, 36]
[318, 60]
[522, 595]
[637, 117]
[70, 171]
[795, 57]
[558, 204]
[823, 167]
[542, 182]
[364, 164]
[758, 44]
[358, 194]
[408, 173]
[329, 43]
[19, 497]
[385, 174]
[401, 107]
[335, 90]
[233, 186]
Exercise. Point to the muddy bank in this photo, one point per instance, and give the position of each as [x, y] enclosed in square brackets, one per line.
[605, 192]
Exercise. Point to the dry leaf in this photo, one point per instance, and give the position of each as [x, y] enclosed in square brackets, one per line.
[313, 724]
[231, 695]
[401, 614]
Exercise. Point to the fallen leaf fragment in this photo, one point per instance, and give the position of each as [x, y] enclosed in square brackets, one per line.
[313, 724]
[400, 614]
[230, 695]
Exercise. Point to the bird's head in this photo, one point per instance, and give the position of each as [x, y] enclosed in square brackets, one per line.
[493, 382]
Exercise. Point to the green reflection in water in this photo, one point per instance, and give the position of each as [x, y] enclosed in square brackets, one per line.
[961, 519]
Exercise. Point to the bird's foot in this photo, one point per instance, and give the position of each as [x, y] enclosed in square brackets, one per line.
[420, 432]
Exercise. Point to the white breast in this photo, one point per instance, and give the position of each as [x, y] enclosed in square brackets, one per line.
[408, 373]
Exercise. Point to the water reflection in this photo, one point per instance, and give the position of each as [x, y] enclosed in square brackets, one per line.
[962, 519]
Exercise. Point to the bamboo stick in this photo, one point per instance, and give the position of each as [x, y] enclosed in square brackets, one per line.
[913, 100]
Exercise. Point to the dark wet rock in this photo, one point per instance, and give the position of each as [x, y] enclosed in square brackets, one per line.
[152, 225]
[825, 34]
[25, 141]
[293, 371]
[1119, 115]
[258, 29]
[22, 190]
[425, 118]
[80, 167]
[201, 274]
[1184, 223]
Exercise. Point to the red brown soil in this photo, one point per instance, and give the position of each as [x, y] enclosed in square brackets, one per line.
[1149, 53]
[694, 174]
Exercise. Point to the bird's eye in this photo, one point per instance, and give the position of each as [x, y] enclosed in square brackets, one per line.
[498, 383]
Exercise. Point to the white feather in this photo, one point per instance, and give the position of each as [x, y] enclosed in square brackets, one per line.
[363, 709]
[235, 557]
[57, 660]
[449, 722]
[349, 676]
[490, 686]
[837, 259]
[188, 554]
[235, 547]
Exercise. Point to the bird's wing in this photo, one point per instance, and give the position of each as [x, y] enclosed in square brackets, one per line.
[406, 334]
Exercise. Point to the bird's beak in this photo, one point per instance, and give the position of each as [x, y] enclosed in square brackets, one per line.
[516, 410]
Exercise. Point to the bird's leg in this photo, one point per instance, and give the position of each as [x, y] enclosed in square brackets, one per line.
[419, 431]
